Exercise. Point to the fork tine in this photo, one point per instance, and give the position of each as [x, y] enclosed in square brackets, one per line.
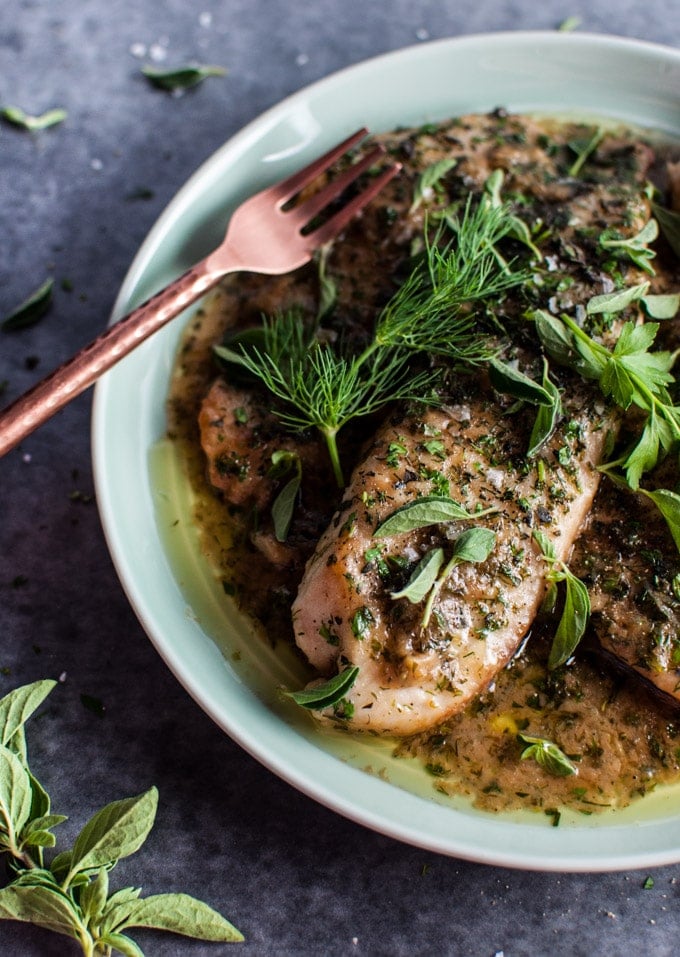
[336, 223]
[337, 185]
[287, 188]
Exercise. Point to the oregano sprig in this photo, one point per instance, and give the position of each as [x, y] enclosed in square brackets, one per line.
[71, 895]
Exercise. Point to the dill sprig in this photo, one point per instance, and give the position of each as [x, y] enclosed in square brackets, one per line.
[434, 310]
[434, 314]
[324, 389]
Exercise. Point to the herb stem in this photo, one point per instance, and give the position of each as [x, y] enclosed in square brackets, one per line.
[331, 436]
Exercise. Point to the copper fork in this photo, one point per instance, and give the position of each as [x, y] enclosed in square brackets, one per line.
[264, 235]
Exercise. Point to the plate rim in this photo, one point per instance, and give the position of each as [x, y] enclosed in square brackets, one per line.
[367, 815]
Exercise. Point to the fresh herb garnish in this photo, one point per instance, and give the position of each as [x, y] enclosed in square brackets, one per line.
[429, 181]
[424, 511]
[546, 396]
[283, 506]
[70, 895]
[636, 247]
[31, 309]
[321, 386]
[17, 117]
[576, 610]
[184, 78]
[669, 223]
[473, 545]
[326, 694]
[629, 374]
[547, 755]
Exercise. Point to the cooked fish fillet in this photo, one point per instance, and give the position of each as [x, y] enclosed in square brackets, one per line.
[412, 677]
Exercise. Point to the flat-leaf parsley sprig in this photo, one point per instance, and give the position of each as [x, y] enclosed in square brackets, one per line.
[630, 374]
[71, 895]
[320, 385]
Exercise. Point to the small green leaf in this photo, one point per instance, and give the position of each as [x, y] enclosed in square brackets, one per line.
[429, 179]
[547, 755]
[116, 831]
[611, 302]
[546, 546]
[474, 545]
[661, 306]
[15, 796]
[122, 943]
[668, 504]
[422, 578]
[31, 310]
[510, 381]
[93, 897]
[421, 512]
[283, 507]
[329, 693]
[181, 914]
[669, 221]
[38, 838]
[573, 622]
[547, 416]
[41, 905]
[181, 79]
[17, 117]
[361, 622]
[18, 706]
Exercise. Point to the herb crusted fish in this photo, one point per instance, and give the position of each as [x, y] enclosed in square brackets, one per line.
[479, 479]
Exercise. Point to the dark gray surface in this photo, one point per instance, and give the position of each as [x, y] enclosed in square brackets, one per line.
[294, 877]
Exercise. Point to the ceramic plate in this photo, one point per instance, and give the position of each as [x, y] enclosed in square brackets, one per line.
[145, 503]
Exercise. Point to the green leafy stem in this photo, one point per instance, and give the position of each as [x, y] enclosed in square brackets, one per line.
[71, 895]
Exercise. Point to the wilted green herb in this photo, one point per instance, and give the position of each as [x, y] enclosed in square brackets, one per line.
[31, 309]
[326, 694]
[547, 755]
[283, 507]
[183, 78]
[17, 117]
[576, 611]
[70, 895]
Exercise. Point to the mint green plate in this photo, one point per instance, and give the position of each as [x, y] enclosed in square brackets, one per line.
[145, 502]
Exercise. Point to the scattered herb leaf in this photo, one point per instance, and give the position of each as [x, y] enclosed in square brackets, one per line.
[17, 117]
[576, 611]
[327, 694]
[31, 309]
[183, 78]
[547, 755]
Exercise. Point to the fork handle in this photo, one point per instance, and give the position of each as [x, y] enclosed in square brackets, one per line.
[71, 378]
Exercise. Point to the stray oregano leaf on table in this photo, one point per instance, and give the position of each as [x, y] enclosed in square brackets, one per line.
[25, 121]
[31, 310]
[70, 895]
[183, 78]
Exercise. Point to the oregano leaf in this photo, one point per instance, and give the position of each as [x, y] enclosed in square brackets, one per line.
[116, 831]
[31, 310]
[15, 795]
[181, 914]
[668, 504]
[18, 705]
[329, 693]
[424, 511]
[42, 905]
[551, 758]
[422, 578]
